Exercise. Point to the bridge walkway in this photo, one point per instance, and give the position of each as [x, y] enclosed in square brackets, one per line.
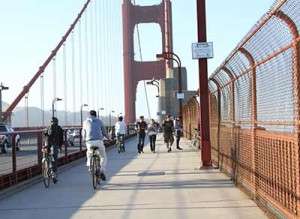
[138, 186]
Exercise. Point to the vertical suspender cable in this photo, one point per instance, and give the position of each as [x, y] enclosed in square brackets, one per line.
[86, 59]
[44, 66]
[26, 110]
[80, 64]
[73, 79]
[107, 106]
[101, 55]
[65, 84]
[97, 56]
[140, 51]
[54, 76]
[92, 79]
[110, 58]
[42, 91]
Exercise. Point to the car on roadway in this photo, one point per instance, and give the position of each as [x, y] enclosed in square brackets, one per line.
[71, 135]
[6, 139]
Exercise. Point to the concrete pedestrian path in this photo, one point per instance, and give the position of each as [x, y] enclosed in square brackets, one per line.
[139, 186]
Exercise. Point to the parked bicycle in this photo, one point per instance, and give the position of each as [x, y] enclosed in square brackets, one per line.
[120, 143]
[195, 142]
[46, 167]
[95, 167]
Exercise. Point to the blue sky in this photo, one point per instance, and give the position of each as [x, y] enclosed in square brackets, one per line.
[30, 30]
[227, 23]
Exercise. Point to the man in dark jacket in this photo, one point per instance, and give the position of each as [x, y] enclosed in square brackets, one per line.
[168, 127]
[54, 140]
[141, 127]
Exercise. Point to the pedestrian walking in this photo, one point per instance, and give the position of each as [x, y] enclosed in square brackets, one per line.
[168, 129]
[178, 131]
[141, 127]
[152, 132]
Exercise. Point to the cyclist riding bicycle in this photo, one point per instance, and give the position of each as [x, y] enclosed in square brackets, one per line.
[120, 130]
[93, 132]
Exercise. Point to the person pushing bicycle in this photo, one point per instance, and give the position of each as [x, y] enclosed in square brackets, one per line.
[93, 132]
[54, 139]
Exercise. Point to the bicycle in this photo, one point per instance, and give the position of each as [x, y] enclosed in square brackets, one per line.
[195, 142]
[120, 143]
[95, 167]
[46, 167]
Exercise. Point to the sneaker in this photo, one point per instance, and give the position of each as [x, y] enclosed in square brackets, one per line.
[54, 180]
[169, 149]
[103, 177]
[179, 148]
[89, 169]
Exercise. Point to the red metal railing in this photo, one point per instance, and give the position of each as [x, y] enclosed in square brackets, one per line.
[254, 112]
[17, 166]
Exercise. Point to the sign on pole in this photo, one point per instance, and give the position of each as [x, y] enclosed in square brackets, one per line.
[202, 50]
[180, 96]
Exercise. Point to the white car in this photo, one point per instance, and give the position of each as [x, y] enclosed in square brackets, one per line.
[6, 140]
[71, 135]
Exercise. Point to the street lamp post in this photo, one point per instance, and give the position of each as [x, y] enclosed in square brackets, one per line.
[110, 117]
[2, 87]
[155, 83]
[82, 105]
[53, 101]
[80, 140]
[99, 113]
[169, 55]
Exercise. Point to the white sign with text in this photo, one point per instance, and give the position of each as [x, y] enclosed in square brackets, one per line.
[202, 50]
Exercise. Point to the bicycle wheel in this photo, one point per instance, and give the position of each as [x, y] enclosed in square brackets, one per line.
[94, 172]
[119, 147]
[46, 172]
[122, 148]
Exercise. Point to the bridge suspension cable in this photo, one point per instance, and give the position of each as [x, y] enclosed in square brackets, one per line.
[85, 67]
[43, 67]
[141, 58]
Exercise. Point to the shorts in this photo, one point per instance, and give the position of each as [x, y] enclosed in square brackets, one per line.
[168, 137]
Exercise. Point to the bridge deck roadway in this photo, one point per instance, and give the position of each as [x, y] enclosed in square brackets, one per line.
[160, 185]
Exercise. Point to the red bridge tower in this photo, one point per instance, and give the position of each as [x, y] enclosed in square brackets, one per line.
[135, 71]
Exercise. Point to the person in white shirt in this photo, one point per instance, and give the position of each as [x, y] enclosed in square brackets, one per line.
[93, 133]
[120, 129]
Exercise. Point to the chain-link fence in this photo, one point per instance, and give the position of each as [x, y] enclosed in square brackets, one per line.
[254, 111]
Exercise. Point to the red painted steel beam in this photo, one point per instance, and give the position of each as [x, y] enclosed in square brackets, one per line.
[42, 68]
[203, 124]
[135, 71]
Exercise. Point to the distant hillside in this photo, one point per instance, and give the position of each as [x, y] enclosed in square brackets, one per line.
[35, 117]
